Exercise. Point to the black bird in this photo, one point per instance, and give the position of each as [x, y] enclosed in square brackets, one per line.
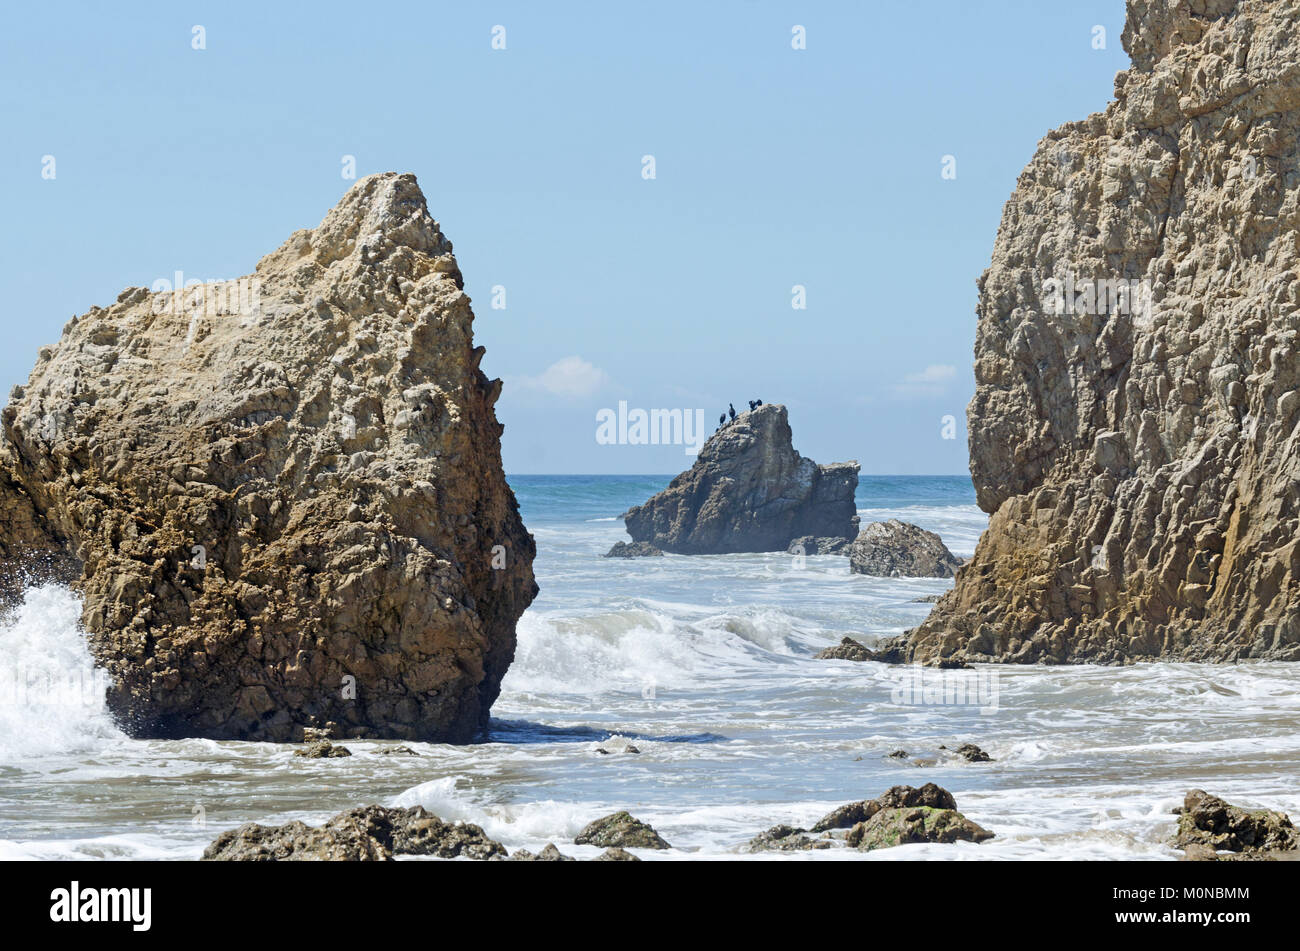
[732, 410]
[758, 402]
[752, 404]
[722, 419]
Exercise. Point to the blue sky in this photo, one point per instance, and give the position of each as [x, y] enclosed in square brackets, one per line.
[774, 167]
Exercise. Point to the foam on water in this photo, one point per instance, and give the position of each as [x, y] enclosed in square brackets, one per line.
[51, 695]
[685, 690]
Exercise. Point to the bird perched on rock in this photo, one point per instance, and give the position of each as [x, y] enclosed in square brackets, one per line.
[732, 410]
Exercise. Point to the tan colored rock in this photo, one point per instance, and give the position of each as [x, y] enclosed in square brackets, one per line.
[284, 508]
[1141, 466]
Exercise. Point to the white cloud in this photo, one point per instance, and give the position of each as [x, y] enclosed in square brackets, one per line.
[569, 377]
[932, 381]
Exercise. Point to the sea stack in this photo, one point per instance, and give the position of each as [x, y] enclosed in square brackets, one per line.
[749, 491]
[281, 498]
[1134, 431]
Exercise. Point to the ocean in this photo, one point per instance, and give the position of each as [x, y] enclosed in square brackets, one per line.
[705, 666]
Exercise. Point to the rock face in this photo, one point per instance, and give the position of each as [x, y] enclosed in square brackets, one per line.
[281, 499]
[749, 491]
[895, 549]
[1136, 445]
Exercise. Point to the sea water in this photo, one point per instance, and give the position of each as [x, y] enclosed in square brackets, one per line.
[705, 665]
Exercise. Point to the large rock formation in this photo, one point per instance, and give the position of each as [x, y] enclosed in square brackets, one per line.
[894, 549]
[749, 491]
[282, 499]
[1137, 444]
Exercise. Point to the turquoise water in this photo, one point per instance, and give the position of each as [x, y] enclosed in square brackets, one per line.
[705, 664]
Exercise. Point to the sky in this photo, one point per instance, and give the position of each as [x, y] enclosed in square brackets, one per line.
[648, 189]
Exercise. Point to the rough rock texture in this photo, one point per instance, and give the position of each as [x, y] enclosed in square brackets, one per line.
[369, 833]
[749, 491]
[902, 826]
[633, 550]
[615, 855]
[550, 853]
[283, 509]
[620, 830]
[784, 838]
[812, 545]
[1208, 822]
[895, 549]
[1142, 469]
[847, 649]
[322, 749]
[896, 797]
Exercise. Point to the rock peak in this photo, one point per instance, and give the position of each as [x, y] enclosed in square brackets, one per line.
[749, 490]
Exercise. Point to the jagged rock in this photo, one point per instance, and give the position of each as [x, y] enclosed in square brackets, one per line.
[1208, 822]
[812, 545]
[1138, 463]
[785, 838]
[369, 833]
[620, 830]
[846, 649]
[895, 549]
[972, 753]
[549, 854]
[899, 754]
[633, 550]
[615, 855]
[929, 796]
[282, 505]
[323, 749]
[749, 491]
[900, 826]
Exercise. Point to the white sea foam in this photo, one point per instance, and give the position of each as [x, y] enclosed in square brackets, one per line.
[51, 695]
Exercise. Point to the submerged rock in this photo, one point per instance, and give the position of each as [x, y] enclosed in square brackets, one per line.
[1136, 364]
[785, 838]
[615, 855]
[1209, 823]
[621, 830]
[633, 550]
[847, 649]
[369, 833]
[749, 491]
[895, 549]
[549, 854]
[323, 749]
[281, 499]
[972, 753]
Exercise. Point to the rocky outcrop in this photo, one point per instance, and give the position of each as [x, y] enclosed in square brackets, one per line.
[847, 649]
[894, 549]
[281, 499]
[620, 830]
[892, 827]
[633, 550]
[749, 491]
[323, 749]
[784, 838]
[929, 796]
[1135, 443]
[812, 545]
[1207, 824]
[369, 833]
